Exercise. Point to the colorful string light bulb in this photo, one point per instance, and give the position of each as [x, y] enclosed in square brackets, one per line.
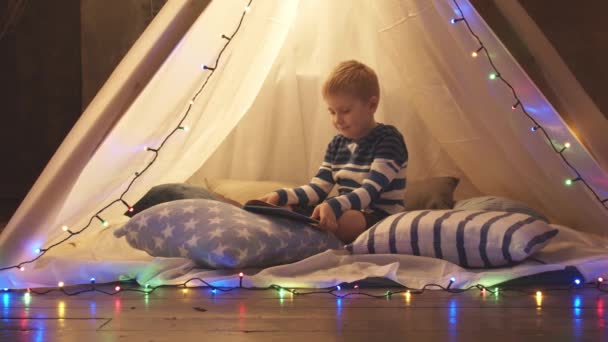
[475, 53]
[570, 181]
[129, 208]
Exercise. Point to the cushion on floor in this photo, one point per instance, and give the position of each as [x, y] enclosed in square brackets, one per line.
[464, 237]
[219, 235]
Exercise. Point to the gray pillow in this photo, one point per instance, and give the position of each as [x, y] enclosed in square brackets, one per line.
[432, 193]
[221, 236]
[497, 203]
[171, 192]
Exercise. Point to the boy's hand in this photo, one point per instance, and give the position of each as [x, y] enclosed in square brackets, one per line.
[271, 198]
[325, 214]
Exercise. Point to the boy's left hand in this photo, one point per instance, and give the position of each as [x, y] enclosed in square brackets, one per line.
[325, 214]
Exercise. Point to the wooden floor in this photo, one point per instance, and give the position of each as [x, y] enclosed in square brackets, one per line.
[169, 314]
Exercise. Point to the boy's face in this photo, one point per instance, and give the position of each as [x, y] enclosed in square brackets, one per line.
[351, 116]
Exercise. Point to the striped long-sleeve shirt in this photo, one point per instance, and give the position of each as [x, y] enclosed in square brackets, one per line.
[370, 174]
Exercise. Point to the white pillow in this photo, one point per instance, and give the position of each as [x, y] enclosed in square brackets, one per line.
[469, 238]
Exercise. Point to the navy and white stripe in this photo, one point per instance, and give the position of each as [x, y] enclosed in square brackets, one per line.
[465, 237]
[372, 175]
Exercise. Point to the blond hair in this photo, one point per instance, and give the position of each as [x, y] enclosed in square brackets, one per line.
[354, 78]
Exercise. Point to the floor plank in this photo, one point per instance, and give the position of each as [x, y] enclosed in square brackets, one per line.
[170, 314]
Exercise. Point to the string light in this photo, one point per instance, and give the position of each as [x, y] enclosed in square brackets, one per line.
[513, 107]
[146, 148]
[330, 291]
[103, 222]
[204, 67]
[494, 75]
[475, 53]
[130, 208]
[21, 268]
[600, 280]
[138, 174]
[184, 128]
[565, 147]
[92, 280]
[569, 181]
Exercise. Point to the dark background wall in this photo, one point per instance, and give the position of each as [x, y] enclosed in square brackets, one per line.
[39, 91]
[57, 54]
[53, 60]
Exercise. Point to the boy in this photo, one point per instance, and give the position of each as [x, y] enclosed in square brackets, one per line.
[367, 160]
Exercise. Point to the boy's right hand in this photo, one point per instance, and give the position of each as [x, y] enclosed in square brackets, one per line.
[271, 198]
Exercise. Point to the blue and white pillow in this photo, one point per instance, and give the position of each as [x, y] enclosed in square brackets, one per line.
[219, 235]
[465, 237]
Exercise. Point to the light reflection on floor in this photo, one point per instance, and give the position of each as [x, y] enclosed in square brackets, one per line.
[18, 310]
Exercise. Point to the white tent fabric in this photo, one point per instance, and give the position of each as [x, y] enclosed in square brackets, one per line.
[261, 117]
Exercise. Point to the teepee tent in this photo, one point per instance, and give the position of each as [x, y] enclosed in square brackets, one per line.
[245, 79]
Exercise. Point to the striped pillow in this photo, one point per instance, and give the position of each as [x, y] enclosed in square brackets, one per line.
[469, 238]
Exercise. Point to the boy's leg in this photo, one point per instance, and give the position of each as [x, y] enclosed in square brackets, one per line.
[350, 225]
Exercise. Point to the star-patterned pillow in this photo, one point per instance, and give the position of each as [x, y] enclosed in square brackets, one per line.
[219, 235]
